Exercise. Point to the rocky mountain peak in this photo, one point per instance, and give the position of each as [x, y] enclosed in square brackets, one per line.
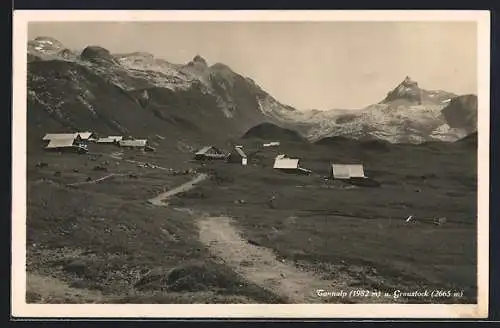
[407, 90]
[408, 82]
[48, 41]
[222, 70]
[220, 67]
[44, 47]
[97, 54]
[200, 60]
[198, 65]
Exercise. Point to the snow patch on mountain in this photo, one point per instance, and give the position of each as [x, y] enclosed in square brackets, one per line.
[446, 133]
[400, 124]
[273, 108]
[47, 48]
[269, 106]
[147, 62]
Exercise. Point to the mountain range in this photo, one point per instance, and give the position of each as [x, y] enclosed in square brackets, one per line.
[141, 95]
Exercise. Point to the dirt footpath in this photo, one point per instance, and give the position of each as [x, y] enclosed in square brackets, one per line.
[159, 200]
[260, 266]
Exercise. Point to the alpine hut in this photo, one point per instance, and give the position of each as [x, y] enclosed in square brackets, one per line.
[209, 153]
[353, 174]
[54, 136]
[136, 144]
[66, 144]
[288, 165]
[238, 156]
[109, 140]
[347, 171]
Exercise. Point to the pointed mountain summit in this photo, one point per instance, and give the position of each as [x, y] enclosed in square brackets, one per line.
[197, 66]
[198, 62]
[408, 90]
[409, 93]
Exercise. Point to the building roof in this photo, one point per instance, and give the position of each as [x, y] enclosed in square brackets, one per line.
[346, 171]
[51, 136]
[133, 143]
[240, 151]
[273, 143]
[85, 135]
[109, 139]
[281, 162]
[105, 140]
[205, 150]
[61, 143]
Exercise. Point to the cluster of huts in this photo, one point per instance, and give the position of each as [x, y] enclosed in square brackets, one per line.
[78, 141]
[283, 163]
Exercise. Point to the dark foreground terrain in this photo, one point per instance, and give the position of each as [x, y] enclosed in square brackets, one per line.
[224, 241]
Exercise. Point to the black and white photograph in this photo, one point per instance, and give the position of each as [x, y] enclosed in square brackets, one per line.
[255, 159]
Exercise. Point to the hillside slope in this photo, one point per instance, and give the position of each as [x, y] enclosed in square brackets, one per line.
[269, 131]
[461, 113]
[137, 94]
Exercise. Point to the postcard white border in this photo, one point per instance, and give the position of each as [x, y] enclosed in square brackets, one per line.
[21, 309]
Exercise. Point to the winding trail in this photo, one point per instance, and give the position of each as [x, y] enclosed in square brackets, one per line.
[159, 200]
[260, 266]
[95, 181]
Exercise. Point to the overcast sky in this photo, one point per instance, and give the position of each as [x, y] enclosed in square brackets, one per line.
[318, 65]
